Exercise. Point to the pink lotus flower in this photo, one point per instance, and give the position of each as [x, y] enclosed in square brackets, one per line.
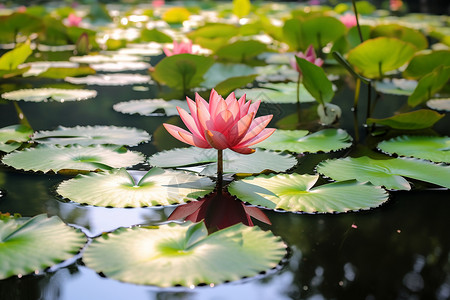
[349, 20]
[73, 20]
[158, 3]
[179, 48]
[22, 9]
[222, 124]
[309, 55]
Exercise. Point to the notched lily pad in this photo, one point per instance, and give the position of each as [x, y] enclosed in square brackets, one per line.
[12, 137]
[110, 79]
[296, 193]
[92, 135]
[122, 188]
[47, 158]
[300, 141]
[205, 160]
[29, 245]
[434, 148]
[49, 94]
[184, 255]
[388, 173]
[149, 107]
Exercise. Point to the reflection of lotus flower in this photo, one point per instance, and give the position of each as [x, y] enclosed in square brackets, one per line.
[179, 48]
[349, 20]
[73, 20]
[222, 124]
[309, 55]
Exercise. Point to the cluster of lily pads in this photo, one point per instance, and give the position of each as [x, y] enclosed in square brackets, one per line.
[242, 48]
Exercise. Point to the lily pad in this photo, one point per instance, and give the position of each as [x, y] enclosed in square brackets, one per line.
[120, 66]
[38, 67]
[120, 188]
[12, 137]
[110, 79]
[300, 141]
[374, 57]
[233, 162]
[434, 148]
[388, 173]
[95, 59]
[429, 85]
[32, 244]
[149, 107]
[422, 64]
[241, 51]
[277, 93]
[184, 255]
[418, 119]
[295, 193]
[49, 94]
[439, 104]
[55, 158]
[92, 135]
[396, 86]
[220, 72]
[403, 33]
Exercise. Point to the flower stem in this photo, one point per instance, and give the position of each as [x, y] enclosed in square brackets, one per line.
[299, 81]
[357, 21]
[219, 182]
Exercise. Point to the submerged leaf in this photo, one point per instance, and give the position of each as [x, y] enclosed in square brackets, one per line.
[119, 188]
[295, 193]
[434, 148]
[184, 255]
[388, 173]
[32, 244]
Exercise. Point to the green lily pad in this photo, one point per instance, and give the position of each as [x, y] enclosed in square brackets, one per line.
[92, 135]
[12, 59]
[429, 85]
[403, 33]
[418, 119]
[396, 86]
[55, 158]
[439, 104]
[184, 255]
[232, 162]
[29, 245]
[422, 64]
[277, 93]
[321, 30]
[434, 148]
[295, 193]
[220, 72]
[12, 137]
[110, 79]
[374, 57]
[300, 141]
[49, 94]
[120, 66]
[149, 107]
[229, 85]
[241, 51]
[388, 173]
[95, 59]
[39, 67]
[120, 188]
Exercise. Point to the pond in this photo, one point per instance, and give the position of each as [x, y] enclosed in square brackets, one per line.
[397, 249]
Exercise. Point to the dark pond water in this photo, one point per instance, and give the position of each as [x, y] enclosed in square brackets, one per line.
[398, 251]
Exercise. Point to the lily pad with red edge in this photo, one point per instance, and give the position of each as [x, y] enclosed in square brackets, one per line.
[204, 161]
[32, 244]
[389, 173]
[297, 193]
[434, 148]
[122, 188]
[301, 141]
[47, 158]
[172, 254]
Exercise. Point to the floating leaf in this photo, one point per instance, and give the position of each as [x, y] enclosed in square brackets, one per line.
[110, 79]
[295, 192]
[93, 59]
[321, 30]
[315, 81]
[422, 64]
[38, 67]
[403, 33]
[120, 66]
[434, 148]
[148, 107]
[374, 57]
[184, 255]
[439, 104]
[61, 73]
[33, 244]
[429, 85]
[119, 188]
[241, 51]
[182, 71]
[220, 72]
[49, 94]
[232, 162]
[12, 59]
[229, 85]
[92, 135]
[154, 35]
[12, 137]
[418, 119]
[53, 158]
[214, 35]
[396, 86]
[387, 173]
[300, 141]
[277, 93]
